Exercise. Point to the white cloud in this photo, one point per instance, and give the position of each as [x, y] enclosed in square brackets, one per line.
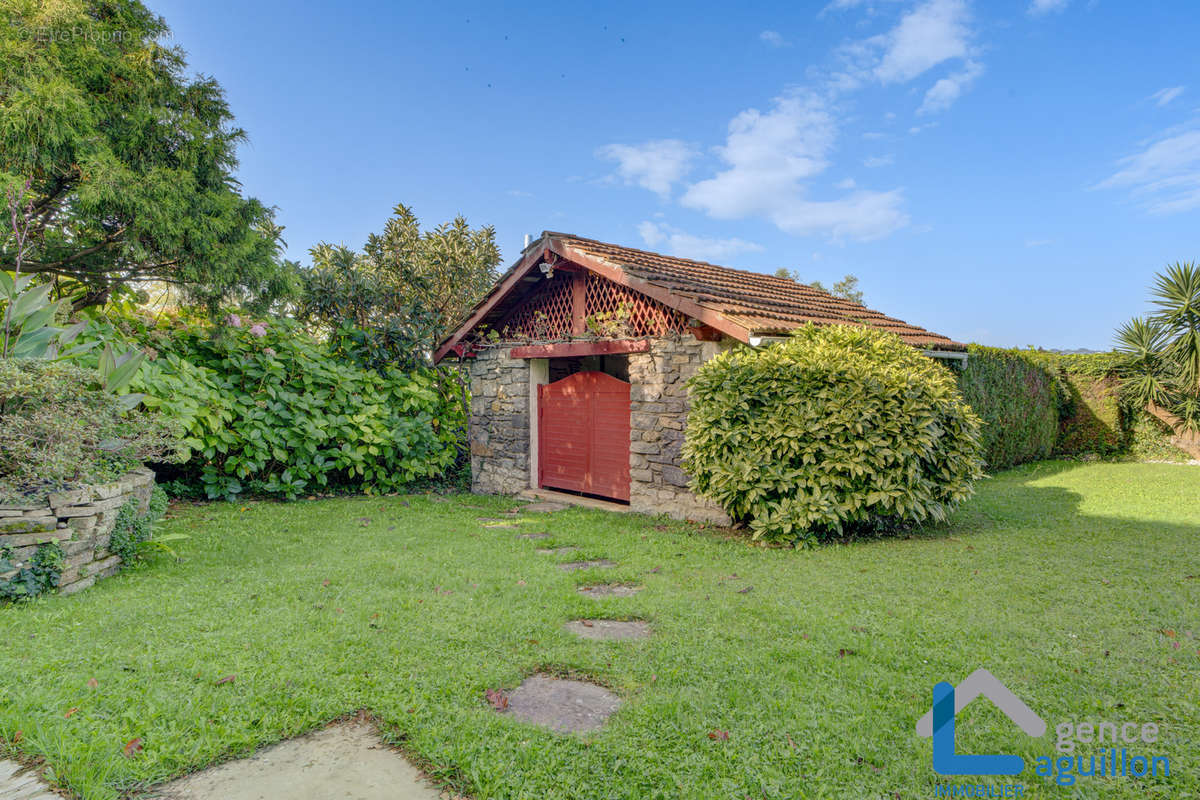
[873, 136]
[770, 156]
[686, 245]
[1165, 175]
[860, 215]
[1164, 96]
[655, 165]
[1039, 7]
[774, 38]
[848, 183]
[872, 162]
[943, 93]
[933, 32]
[767, 154]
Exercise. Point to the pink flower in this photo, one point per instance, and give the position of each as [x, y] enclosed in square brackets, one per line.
[259, 329]
[269, 351]
[234, 320]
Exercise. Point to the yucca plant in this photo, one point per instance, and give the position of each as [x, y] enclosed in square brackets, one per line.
[1161, 352]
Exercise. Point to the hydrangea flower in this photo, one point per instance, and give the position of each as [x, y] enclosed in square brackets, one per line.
[259, 329]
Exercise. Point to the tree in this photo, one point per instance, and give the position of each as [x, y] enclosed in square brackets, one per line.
[846, 288]
[130, 163]
[405, 291]
[1161, 352]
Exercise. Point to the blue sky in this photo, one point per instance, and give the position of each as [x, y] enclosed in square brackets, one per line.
[1005, 172]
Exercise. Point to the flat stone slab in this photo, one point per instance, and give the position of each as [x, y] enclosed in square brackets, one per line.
[542, 535]
[342, 761]
[596, 563]
[544, 507]
[610, 590]
[20, 783]
[609, 629]
[563, 706]
[556, 551]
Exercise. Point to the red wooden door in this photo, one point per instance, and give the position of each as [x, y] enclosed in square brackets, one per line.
[583, 435]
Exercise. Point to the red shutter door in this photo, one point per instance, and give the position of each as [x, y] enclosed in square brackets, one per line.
[583, 435]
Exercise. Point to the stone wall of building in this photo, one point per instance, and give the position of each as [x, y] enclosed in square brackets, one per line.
[499, 423]
[80, 521]
[658, 417]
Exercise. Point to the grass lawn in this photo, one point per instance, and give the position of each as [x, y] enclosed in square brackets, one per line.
[1078, 586]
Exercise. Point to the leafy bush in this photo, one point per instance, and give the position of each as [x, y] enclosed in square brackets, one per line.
[132, 530]
[1018, 401]
[58, 427]
[840, 429]
[40, 574]
[268, 410]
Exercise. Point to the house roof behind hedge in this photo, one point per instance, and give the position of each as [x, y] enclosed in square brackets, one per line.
[763, 304]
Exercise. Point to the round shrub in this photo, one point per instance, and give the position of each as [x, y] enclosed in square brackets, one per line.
[839, 430]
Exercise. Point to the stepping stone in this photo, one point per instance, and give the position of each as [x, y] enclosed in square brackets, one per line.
[543, 535]
[609, 590]
[556, 551]
[596, 563]
[563, 706]
[545, 507]
[609, 629]
[21, 783]
[346, 760]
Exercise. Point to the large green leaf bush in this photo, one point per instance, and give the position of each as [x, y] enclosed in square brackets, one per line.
[838, 430]
[268, 410]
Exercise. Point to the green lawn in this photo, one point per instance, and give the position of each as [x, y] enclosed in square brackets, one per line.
[1078, 586]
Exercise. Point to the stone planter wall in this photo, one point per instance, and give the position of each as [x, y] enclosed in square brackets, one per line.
[80, 521]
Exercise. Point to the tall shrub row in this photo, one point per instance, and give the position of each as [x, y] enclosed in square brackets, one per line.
[1018, 401]
[1036, 404]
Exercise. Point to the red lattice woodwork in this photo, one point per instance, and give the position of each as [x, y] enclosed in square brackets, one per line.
[551, 311]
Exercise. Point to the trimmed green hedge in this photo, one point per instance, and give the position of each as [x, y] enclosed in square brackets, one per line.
[1036, 404]
[840, 429]
[1018, 401]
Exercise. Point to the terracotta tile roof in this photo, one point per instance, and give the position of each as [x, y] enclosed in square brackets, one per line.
[764, 304]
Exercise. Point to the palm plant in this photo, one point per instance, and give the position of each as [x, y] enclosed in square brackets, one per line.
[1161, 365]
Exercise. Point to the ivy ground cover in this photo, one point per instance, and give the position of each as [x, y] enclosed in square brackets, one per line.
[768, 674]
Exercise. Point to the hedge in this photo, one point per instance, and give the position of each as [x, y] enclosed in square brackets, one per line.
[1018, 401]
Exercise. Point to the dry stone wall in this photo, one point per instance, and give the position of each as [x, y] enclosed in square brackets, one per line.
[80, 521]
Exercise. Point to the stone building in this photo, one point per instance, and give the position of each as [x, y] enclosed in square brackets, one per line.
[580, 355]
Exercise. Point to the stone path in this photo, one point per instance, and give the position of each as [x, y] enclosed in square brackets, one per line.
[571, 706]
[342, 761]
[19, 783]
